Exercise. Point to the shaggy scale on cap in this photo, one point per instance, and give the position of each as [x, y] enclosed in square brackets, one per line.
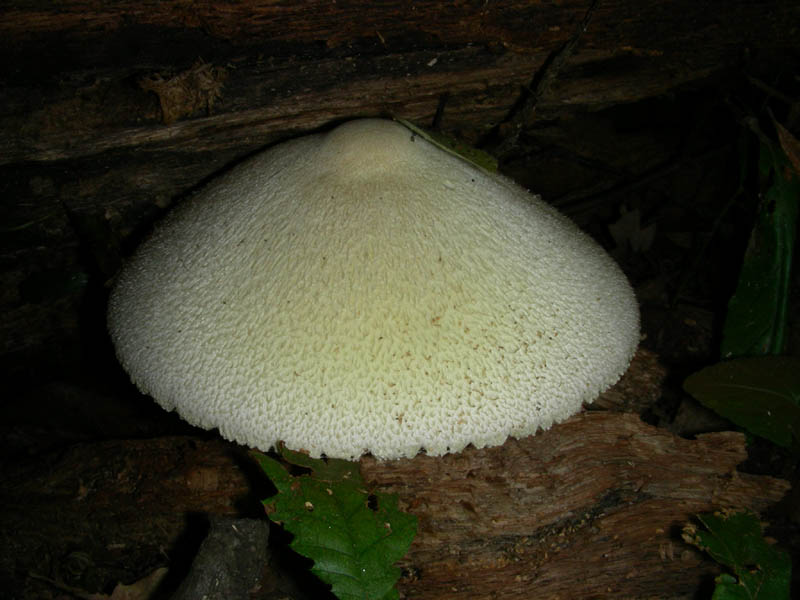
[364, 291]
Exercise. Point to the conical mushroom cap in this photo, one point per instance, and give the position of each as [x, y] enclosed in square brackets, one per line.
[365, 291]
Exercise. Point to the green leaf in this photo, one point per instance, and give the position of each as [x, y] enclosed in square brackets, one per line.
[479, 158]
[760, 394]
[353, 537]
[760, 571]
[756, 322]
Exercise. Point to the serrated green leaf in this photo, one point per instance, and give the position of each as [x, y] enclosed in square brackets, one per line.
[757, 317]
[333, 469]
[353, 537]
[728, 588]
[475, 156]
[760, 571]
[760, 394]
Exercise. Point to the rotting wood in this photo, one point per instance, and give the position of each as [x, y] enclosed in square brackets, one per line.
[86, 161]
[591, 507]
[85, 158]
[293, 68]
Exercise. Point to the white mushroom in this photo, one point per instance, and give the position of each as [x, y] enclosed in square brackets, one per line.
[364, 291]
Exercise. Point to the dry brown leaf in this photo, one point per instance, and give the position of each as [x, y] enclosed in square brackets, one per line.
[790, 145]
[142, 589]
[195, 89]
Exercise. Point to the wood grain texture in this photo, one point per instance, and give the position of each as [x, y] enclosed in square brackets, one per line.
[87, 159]
[590, 508]
[71, 79]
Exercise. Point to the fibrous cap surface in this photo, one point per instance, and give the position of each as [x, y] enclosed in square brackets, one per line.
[364, 291]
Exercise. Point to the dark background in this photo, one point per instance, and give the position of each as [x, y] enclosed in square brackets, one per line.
[112, 112]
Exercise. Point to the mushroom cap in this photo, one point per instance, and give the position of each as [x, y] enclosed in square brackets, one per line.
[365, 291]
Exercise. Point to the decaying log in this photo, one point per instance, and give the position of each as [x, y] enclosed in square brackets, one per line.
[297, 66]
[111, 111]
[590, 508]
[639, 387]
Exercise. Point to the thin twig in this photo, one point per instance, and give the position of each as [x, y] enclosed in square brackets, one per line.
[436, 124]
[512, 126]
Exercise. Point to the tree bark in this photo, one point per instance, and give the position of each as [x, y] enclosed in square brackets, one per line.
[111, 111]
[590, 508]
[290, 67]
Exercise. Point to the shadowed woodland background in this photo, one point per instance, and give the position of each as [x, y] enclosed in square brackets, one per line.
[635, 118]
